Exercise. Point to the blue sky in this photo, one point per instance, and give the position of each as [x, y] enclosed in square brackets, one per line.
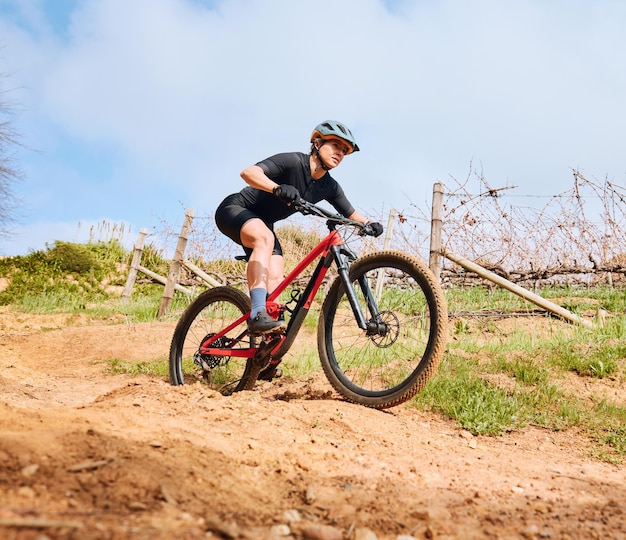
[132, 111]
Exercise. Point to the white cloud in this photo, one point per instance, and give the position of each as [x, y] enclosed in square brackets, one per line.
[182, 95]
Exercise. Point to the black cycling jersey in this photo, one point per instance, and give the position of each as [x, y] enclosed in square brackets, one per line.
[291, 168]
[294, 169]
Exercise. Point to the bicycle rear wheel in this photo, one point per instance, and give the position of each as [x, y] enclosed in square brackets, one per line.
[394, 362]
[208, 314]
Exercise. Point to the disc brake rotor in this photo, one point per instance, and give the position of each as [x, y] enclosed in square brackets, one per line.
[390, 320]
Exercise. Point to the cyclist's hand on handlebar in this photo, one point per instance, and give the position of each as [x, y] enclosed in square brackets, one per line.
[286, 193]
[373, 228]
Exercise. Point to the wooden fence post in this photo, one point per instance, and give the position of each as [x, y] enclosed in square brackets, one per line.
[201, 274]
[390, 221]
[163, 281]
[176, 265]
[134, 265]
[434, 261]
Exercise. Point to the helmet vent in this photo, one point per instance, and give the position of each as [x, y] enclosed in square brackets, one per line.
[331, 128]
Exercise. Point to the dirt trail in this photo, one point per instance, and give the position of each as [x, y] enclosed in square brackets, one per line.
[88, 455]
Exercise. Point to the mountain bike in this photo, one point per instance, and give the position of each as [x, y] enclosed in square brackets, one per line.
[381, 331]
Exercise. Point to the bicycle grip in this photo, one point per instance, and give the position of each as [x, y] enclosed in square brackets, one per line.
[372, 228]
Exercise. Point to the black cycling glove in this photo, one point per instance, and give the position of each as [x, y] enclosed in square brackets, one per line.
[376, 228]
[286, 193]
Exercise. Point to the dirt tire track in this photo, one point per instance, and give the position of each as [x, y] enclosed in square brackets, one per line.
[111, 456]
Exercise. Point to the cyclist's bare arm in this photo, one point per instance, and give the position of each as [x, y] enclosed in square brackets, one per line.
[356, 216]
[256, 178]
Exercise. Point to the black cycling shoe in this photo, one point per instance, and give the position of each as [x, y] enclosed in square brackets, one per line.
[263, 324]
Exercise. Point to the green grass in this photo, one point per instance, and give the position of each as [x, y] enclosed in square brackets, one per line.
[526, 371]
[502, 374]
[301, 364]
[154, 368]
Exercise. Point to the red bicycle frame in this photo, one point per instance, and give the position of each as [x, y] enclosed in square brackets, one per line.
[320, 252]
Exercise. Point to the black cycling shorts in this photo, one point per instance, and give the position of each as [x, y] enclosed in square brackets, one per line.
[230, 217]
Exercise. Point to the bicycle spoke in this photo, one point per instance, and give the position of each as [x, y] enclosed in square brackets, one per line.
[213, 311]
[394, 361]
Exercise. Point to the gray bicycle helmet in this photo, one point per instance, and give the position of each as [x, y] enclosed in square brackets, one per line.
[330, 129]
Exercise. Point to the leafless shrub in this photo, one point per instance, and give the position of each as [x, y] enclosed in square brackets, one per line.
[9, 174]
[577, 236]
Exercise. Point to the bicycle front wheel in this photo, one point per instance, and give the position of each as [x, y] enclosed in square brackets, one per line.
[207, 315]
[393, 360]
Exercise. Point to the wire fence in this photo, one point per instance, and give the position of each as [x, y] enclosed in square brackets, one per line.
[574, 237]
[577, 236]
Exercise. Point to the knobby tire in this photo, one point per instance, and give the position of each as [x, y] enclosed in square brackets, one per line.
[212, 311]
[387, 369]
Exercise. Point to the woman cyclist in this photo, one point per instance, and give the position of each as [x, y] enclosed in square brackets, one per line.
[248, 217]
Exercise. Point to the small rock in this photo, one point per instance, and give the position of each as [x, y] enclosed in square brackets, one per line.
[422, 515]
[26, 491]
[341, 511]
[530, 531]
[309, 496]
[167, 496]
[30, 470]
[291, 515]
[280, 530]
[364, 534]
[541, 507]
[304, 463]
[321, 532]
[224, 530]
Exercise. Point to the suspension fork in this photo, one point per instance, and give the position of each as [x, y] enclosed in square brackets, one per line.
[343, 256]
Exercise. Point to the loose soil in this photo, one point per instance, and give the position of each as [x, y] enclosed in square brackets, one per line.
[85, 454]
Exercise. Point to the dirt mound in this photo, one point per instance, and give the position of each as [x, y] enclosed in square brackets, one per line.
[89, 455]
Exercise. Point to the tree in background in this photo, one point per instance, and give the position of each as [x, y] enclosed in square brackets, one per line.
[9, 175]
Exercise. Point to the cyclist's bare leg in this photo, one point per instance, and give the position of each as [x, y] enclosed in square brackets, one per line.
[256, 236]
[264, 270]
[277, 272]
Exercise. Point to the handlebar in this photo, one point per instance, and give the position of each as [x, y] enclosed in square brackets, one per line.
[332, 219]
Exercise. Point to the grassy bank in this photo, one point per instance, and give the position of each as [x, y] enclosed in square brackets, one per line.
[508, 365]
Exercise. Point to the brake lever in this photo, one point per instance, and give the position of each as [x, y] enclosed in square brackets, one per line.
[308, 209]
[302, 206]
